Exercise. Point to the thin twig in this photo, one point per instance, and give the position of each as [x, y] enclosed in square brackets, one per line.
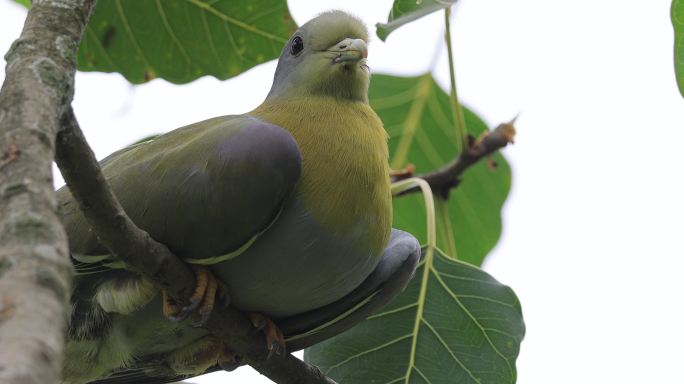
[153, 260]
[443, 180]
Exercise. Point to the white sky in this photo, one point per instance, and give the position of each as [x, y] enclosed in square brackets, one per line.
[591, 242]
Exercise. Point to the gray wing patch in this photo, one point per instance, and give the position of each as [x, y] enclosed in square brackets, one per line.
[204, 190]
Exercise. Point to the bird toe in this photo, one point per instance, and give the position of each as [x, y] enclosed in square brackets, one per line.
[202, 301]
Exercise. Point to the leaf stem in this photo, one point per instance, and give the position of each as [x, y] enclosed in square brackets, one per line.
[397, 188]
[408, 184]
[447, 230]
[456, 109]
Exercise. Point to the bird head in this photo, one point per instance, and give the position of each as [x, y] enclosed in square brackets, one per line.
[325, 57]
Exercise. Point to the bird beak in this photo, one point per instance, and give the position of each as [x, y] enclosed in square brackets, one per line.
[349, 50]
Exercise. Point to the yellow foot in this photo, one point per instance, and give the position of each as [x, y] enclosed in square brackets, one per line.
[203, 299]
[275, 342]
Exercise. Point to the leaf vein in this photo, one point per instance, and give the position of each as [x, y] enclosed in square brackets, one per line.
[233, 43]
[106, 54]
[236, 22]
[474, 320]
[129, 32]
[397, 380]
[486, 299]
[412, 122]
[167, 26]
[453, 355]
[363, 353]
[392, 311]
[422, 374]
[212, 45]
[463, 278]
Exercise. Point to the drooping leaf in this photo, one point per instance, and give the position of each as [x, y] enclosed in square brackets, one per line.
[678, 24]
[454, 323]
[181, 40]
[406, 11]
[417, 115]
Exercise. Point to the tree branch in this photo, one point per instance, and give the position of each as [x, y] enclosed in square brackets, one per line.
[35, 272]
[443, 180]
[105, 215]
[153, 260]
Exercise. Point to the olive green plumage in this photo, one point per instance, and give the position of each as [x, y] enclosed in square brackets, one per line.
[289, 205]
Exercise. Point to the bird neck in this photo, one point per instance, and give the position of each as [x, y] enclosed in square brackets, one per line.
[311, 81]
[345, 178]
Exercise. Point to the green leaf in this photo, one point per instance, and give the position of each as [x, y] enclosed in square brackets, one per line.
[406, 11]
[417, 115]
[25, 3]
[181, 40]
[678, 24]
[454, 323]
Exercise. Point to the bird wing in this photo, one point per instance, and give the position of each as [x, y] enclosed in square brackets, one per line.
[206, 190]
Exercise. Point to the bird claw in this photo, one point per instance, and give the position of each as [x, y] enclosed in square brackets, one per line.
[275, 341]
[208, 289]
[204, 317]
[203, 298]
[177, 318]
[275, 349]
[184, 312]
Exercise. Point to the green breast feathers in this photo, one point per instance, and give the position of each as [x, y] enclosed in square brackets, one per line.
[345, 178]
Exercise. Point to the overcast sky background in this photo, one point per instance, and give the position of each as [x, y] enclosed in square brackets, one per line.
[592, 240]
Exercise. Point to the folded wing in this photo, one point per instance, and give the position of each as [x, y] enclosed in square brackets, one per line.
[204, 190]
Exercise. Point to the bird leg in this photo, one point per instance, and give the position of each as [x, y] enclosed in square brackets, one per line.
[275, 341]
[203, 301]
[207, 287]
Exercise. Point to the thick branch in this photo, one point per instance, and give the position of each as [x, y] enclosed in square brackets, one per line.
[443, 180]
[152, 259]
[35, 272]
[105, 215]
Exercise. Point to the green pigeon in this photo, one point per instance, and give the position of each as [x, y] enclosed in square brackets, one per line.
[284, 212]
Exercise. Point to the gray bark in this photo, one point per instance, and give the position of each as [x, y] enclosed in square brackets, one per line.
[35, 272]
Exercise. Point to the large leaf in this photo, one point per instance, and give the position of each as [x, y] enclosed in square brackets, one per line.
[678, 24]
[181, 40]
[417, 115]
[406, 11]
[454, 323]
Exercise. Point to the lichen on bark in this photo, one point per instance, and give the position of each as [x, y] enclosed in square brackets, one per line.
[35, 271]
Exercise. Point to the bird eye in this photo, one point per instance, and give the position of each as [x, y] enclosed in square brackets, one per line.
[296, 46]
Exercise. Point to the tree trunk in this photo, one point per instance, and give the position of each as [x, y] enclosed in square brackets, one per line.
[35, 271]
